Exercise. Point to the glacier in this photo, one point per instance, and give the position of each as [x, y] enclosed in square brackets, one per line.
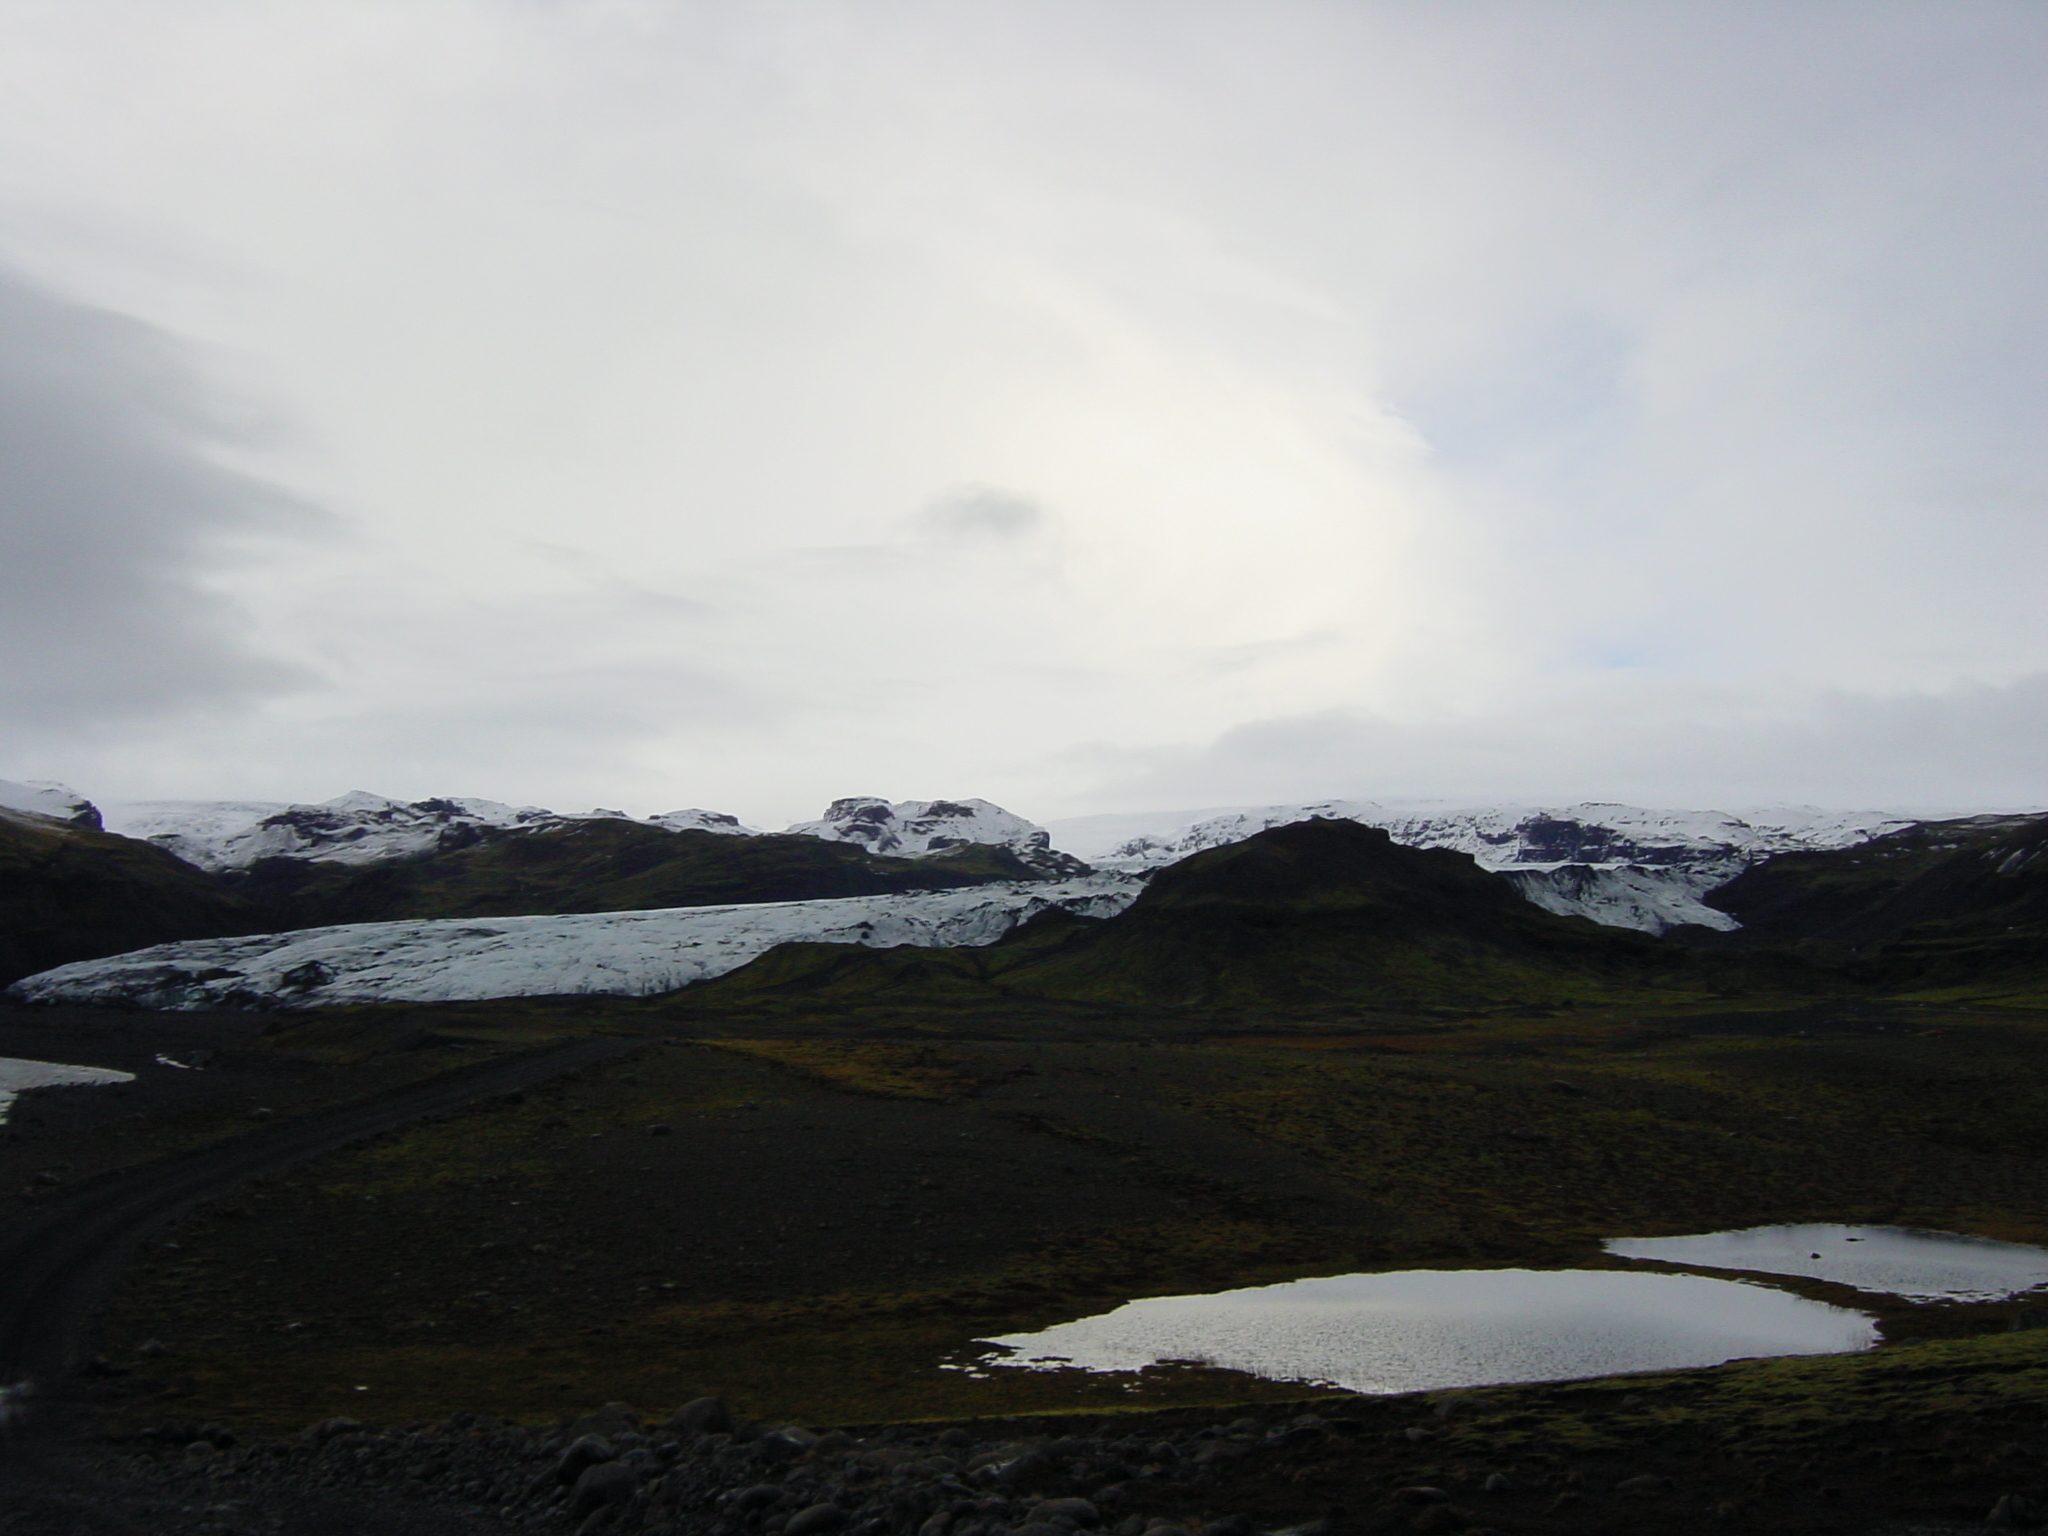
[629, 954]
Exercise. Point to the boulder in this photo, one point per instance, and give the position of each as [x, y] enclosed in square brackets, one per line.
[818, 1517]
[700, 1416]
[1080, 1511]
[583, 1452]
[601, 1486]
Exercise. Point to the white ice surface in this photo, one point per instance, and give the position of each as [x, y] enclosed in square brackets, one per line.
[620, 953]
[1652, 899]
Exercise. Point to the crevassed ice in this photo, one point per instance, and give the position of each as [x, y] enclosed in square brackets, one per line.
[618, 953]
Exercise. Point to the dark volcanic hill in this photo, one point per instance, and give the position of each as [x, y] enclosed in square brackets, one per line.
[603, 866]
[69, 891]
[1318, 911]
[1937, 903]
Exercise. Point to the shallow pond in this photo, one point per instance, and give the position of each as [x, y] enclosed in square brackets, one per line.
[1893, 1261]
[16, 1074]
[1415, 1330]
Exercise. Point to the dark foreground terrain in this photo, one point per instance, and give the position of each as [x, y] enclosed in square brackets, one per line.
[814, 1221]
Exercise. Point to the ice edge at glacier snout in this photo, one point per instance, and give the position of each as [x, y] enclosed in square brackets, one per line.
[630, 954]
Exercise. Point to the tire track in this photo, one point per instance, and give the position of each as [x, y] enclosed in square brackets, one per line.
[57, 1262]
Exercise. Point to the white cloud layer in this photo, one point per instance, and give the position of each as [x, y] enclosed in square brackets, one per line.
[1081, 405]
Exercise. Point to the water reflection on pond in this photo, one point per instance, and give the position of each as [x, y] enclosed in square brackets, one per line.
[17, 1074]
[1895, 1261]
[1414, 1330]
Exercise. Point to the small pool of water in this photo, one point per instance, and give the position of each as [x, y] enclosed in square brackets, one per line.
[1417, 1330]
[17, 1074]
[1892, 1261]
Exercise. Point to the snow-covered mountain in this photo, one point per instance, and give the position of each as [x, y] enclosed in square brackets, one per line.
[1618, 864]
[356, 828]
[1623, 865]
[618, 953]
[916, 829]
[361, 828]
[692, 821]
[58, 802]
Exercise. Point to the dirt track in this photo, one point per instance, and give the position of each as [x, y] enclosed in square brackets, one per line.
[56, 1262]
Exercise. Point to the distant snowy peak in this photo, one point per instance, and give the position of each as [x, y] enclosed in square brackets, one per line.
[58, 802]
[702, 821]
[355, 828]
[913, 829]
[918, 829]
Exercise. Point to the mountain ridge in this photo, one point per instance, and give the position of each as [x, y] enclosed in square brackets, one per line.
[1318, 912]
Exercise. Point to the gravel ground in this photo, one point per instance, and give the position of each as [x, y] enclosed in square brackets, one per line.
[1340, 1466]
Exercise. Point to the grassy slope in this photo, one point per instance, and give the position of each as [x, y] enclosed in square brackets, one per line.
[1941, 903]
[68, 893]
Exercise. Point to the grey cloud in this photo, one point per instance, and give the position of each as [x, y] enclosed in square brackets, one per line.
[111, 514]
[981, 512]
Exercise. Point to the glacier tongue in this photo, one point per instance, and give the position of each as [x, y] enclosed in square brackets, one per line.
[619, 953]
[1652, 899]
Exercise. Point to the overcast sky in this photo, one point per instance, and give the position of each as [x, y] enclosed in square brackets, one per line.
[1085, 404]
